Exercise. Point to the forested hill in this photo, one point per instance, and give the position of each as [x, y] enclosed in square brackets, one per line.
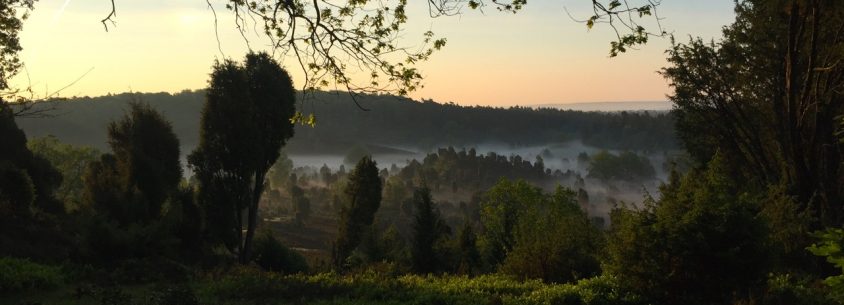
[390, 121]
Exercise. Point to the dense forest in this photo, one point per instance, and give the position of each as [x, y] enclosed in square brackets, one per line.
[160, 201]
[392, 121]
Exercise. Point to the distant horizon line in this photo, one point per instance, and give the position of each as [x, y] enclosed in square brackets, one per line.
[536, 105]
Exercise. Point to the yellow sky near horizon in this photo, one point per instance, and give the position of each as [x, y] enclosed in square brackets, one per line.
[537, 56]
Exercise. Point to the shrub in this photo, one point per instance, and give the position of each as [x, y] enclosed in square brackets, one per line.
[21, 274]
[271, 255]
[173, 295]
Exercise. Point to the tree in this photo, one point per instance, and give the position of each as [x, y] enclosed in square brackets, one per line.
[279, 173]
[245, 122]
[132, 183]
[362, 200]
[501, 209]
[21, 165]
[700, 243]
[778, 129]
[71, 161]
[12, 15]
[130, 189]
[470, 258]
[429, 230]
[553, 240]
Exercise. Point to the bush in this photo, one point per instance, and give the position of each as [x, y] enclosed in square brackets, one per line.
[20, 274]
[173, 295]
[252, 286]
[785, 289]
[271, 255]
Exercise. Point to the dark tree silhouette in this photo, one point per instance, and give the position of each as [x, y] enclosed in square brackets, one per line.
[778, 129]
[470, 258]
[428, 229]
[21, 165]
[132, 183]
[245, 122]
[363, 198]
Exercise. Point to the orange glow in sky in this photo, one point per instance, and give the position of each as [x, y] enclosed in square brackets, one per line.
[538, 56]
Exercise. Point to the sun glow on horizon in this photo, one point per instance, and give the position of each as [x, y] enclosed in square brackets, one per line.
[537, 56]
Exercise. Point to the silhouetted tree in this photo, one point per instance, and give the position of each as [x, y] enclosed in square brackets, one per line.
[362, 200]
[470, 258]
[147, 155]
[778, 129]
[245, 122]
[429, 230]
[143, 170]
[19, 161]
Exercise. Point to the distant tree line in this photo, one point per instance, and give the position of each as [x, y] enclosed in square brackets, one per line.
[392, 121]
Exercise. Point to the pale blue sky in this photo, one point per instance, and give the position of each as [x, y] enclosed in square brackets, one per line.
[537, 56]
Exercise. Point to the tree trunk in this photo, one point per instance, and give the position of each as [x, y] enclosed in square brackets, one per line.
[252, 222]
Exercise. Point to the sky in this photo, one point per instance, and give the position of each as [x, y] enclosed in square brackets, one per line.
[537, 56]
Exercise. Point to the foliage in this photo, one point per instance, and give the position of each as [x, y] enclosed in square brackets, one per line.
[271, 255]
[779, 129]
[533, 235]
[831, 246]
[374, 288]
[341, 125]
[787, 289]
[12, 15]
[625, 166]
[16, 192]
[279, 173]
[71, 161]
[244, 125]
[131, 184]
[429, 232]
[700, 243]
[466, 170]
[363, 198]
[501, 211]
[173, 295]
[21, 165]
[18, 275]
[470, 257]
[139, 210]
[554, 241]
[146, 152]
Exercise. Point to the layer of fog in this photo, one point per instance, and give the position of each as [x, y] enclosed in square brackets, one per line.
[603, 196]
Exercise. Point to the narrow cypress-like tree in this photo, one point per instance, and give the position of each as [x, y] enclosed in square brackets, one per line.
[363, 198]
[245, 122]
[428, 229]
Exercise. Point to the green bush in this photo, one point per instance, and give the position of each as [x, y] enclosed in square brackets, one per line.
[20, 274]
[251, 285]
